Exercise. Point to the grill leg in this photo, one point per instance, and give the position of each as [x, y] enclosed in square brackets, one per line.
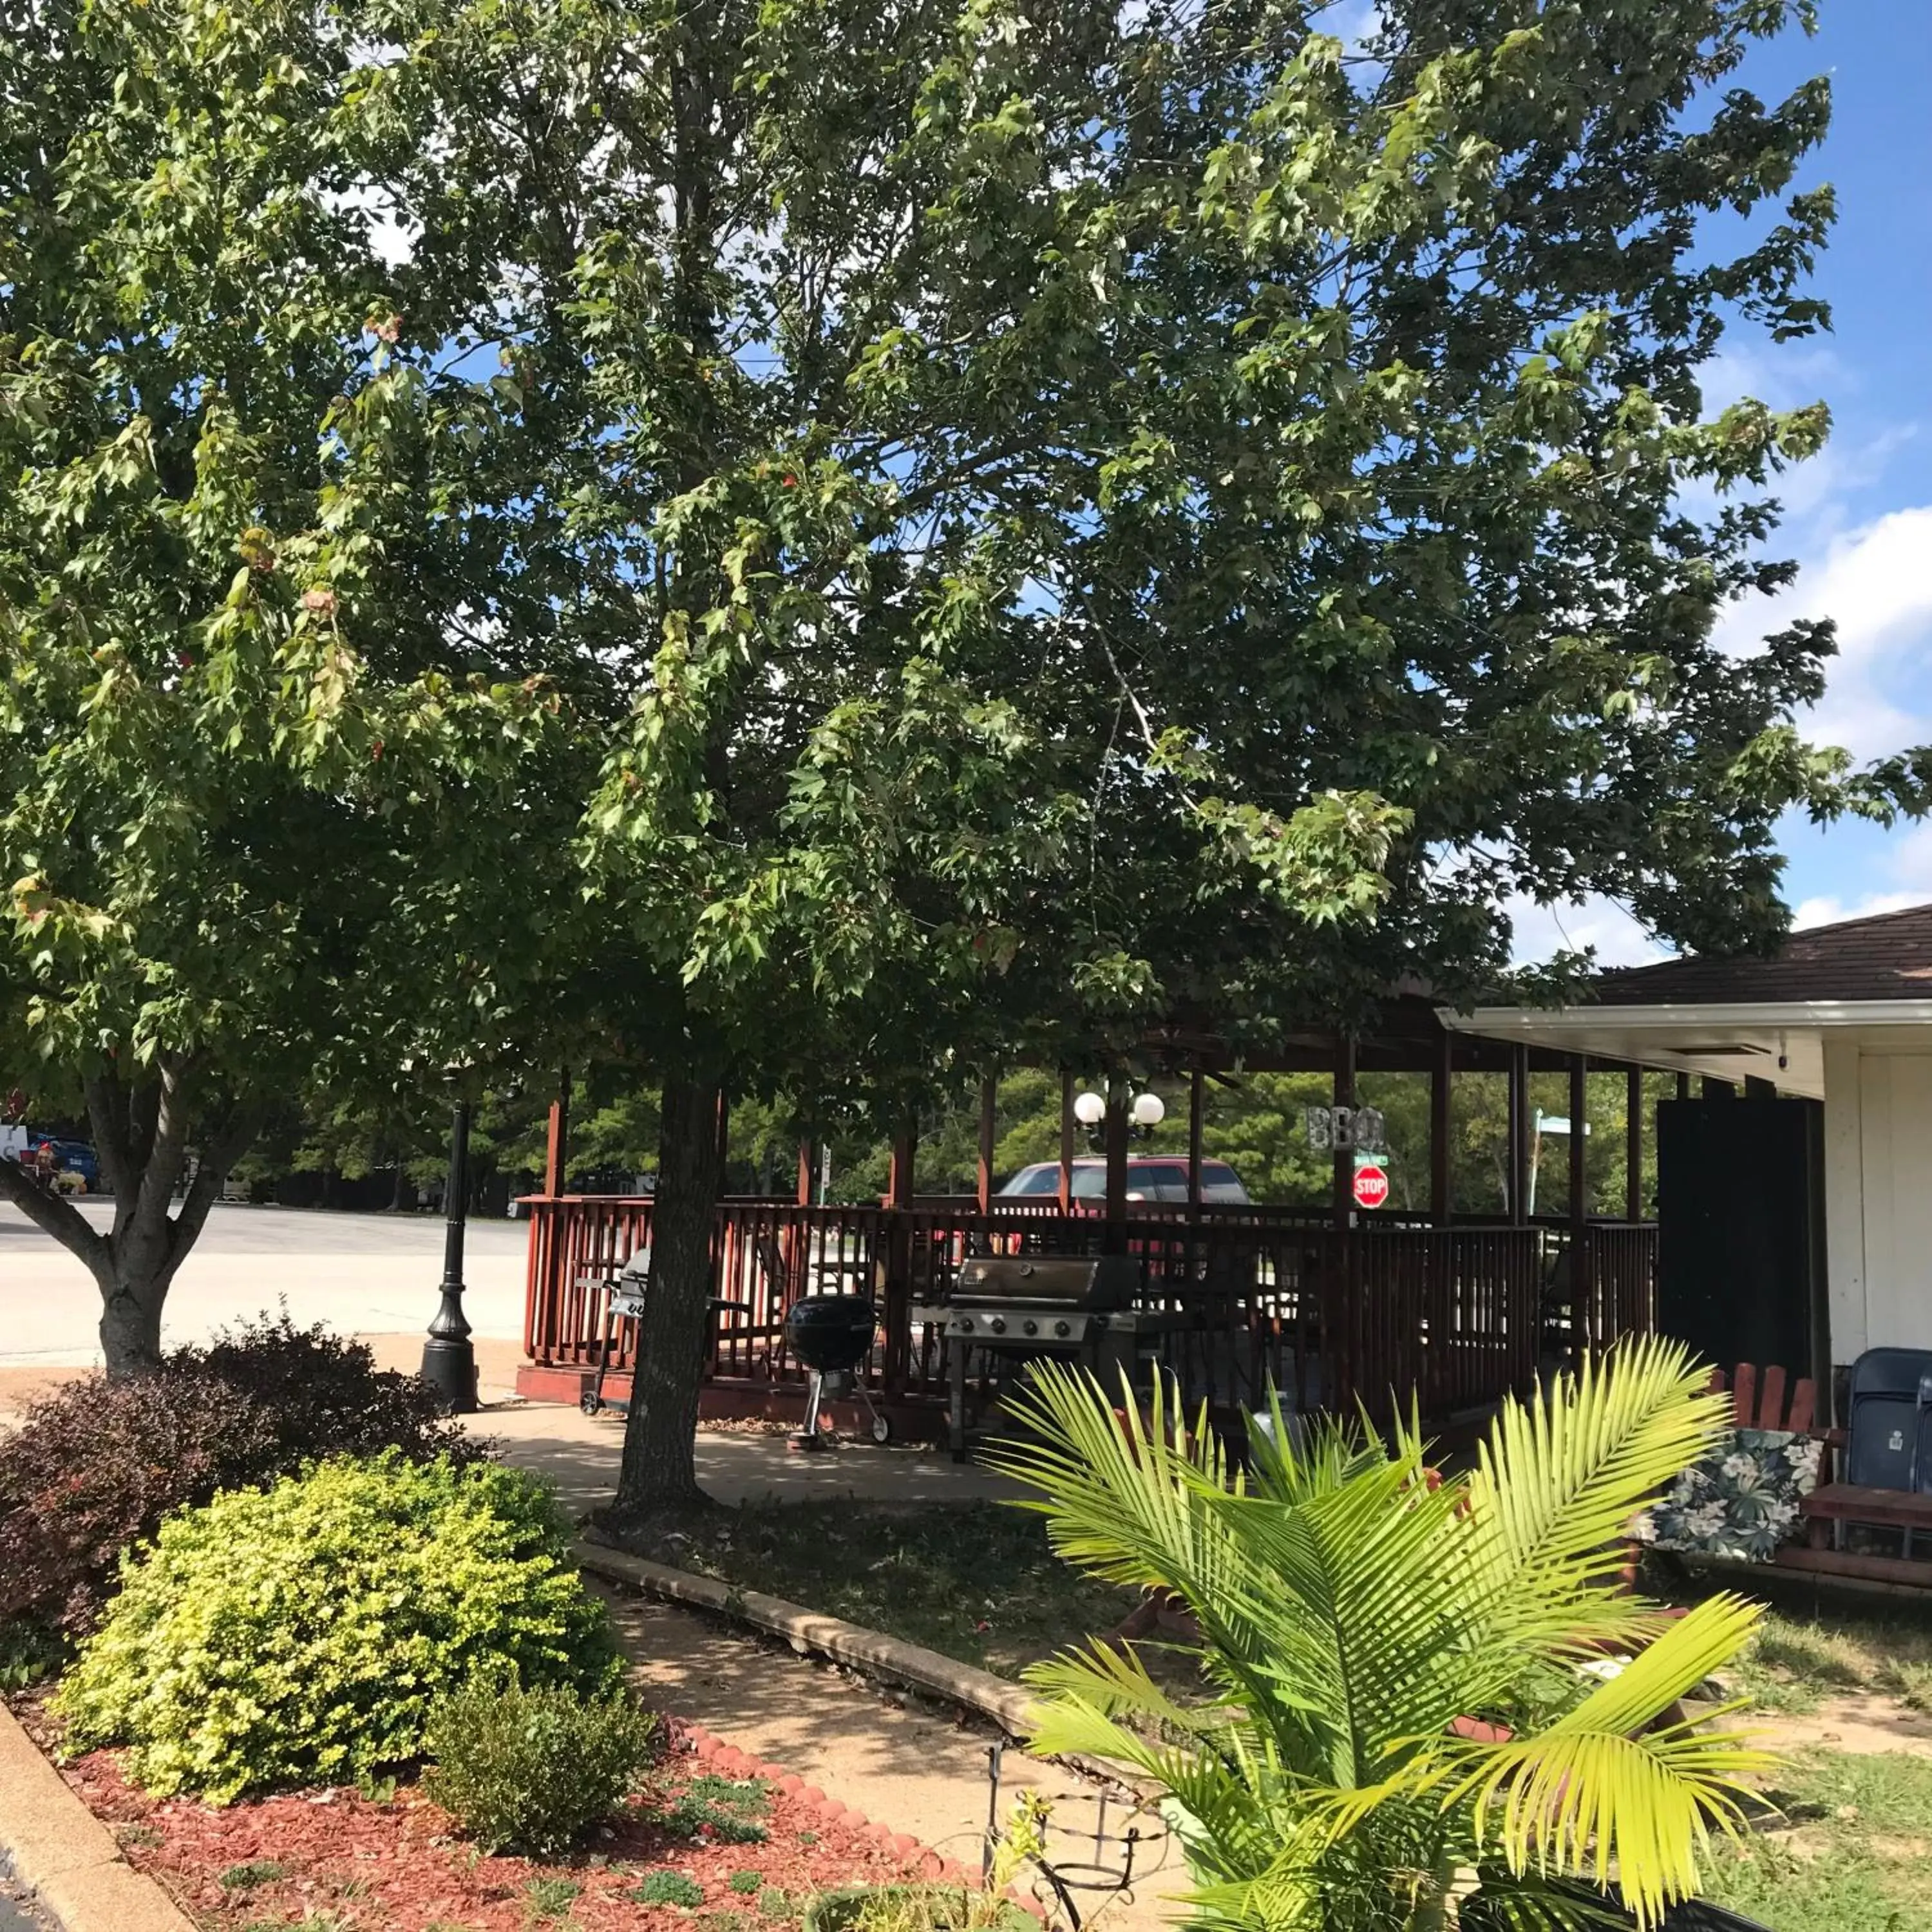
[808, 1437]
[955, 1422]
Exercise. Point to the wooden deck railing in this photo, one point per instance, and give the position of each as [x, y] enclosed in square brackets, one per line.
[1331, 1316]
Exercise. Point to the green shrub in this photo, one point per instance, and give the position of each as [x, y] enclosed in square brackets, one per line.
[299, 1635]
[251, 1872]
[731, 1810]
[746, 1881]
[534, 1768]
[94, 1467]
[550, 1897]
[668, 1888]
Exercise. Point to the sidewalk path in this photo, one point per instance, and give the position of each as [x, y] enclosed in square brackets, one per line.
[580, 1453]
[902, 1764]
[900, 1761]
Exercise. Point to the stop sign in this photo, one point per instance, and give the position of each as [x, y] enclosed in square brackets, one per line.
[1371, 1185]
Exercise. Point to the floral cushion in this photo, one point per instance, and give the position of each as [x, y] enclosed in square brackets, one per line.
[1741, 1500]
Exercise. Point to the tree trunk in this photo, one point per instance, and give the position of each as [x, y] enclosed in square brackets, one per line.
[141, 1135]
[658, 1474]
[130, 1319]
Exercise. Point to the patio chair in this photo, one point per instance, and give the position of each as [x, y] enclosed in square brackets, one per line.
[1891, 1420]
[1888, 1457]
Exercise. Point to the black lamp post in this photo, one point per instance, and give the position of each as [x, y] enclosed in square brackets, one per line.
[448, 1359]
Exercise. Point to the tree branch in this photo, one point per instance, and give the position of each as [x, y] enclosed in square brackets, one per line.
[217, 1157]
[169, 1148]
[53, 1214]
[107, 1113]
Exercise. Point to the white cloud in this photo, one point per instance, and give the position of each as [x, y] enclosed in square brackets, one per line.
[1828, 911]
[1876, 582]
[1904, 878]
[1539, 932]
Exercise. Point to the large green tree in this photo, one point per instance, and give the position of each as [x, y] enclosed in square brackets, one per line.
[273, 647]
[1152, 512]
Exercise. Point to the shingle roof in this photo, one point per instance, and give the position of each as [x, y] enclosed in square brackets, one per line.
[1888, 956]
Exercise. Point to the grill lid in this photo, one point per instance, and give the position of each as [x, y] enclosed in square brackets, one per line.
[1066, 1281]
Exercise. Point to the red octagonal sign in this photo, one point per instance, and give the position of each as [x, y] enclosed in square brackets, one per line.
[1372, 1186]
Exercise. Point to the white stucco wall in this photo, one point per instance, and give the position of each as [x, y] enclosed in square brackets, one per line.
[1878, 1194]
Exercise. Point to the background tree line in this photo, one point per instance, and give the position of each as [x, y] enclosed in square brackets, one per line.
[1255, 1122]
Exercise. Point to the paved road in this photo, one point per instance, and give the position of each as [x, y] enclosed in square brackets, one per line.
[360, 1274]
[15, 1915]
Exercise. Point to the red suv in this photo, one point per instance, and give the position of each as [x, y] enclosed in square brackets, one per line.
[1150, 1177]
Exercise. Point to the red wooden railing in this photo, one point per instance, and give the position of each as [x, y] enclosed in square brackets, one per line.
[1331, 1316]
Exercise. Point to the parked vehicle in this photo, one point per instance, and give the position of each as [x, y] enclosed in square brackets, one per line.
[1150, 1177]
[77, 1158]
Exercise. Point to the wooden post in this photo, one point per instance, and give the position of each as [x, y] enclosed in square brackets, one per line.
[1580, 1113]
[1714, 1089]
[989, 1096]
[808, 1171]
[1116, 1240]
[556, 1144]
[1441, 1078]
[897, 1310]
[1683, 1086]
[1067, 1140]
[1519, 1135]
[1195, 1082]
[899, 1183]
[1344, 1091]
[1634, 1145]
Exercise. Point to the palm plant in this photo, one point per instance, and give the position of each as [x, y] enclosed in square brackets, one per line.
[1356, 1614]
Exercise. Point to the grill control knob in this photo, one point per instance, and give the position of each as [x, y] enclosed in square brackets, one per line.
[998, 1324]
[965, 1324]
[1061, 1328]
[1031, 1327]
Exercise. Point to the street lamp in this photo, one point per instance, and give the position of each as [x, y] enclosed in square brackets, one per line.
[1146, 1113]
[449, 1358]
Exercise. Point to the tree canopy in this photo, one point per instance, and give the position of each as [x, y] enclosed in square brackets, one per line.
[266, 806]
[820, 544]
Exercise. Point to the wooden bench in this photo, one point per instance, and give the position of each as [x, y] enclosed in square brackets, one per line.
[1759, 1400]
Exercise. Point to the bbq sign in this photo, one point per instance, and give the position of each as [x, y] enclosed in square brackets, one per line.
[1345, 1127]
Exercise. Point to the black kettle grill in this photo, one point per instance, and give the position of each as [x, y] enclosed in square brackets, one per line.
[829, 1334]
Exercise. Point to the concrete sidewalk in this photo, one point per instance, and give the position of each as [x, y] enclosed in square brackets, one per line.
[580, 1454]
[908, 1765]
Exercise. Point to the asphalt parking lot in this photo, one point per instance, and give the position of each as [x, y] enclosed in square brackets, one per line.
[360, 1273]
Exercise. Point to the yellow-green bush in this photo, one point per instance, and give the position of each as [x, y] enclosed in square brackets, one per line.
[299, 1635]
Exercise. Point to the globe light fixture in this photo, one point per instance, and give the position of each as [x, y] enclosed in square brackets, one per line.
[1150, 1110]
[1090, 1109]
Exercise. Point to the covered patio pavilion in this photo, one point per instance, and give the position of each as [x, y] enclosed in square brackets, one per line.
[1331, 1304]
[1795, 1214]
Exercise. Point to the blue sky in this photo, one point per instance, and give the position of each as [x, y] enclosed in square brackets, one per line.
[1859, 518]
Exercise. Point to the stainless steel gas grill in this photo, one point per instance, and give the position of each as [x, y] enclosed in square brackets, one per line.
[1005, 1310]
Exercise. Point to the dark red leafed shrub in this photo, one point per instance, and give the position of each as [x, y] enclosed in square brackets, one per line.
[95, 1467]
[325, 1395]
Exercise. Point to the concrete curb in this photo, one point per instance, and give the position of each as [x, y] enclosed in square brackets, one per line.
[1008, 1706]
[68, 1857]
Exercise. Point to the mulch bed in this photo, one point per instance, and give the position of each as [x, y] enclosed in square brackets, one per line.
[341, 1861]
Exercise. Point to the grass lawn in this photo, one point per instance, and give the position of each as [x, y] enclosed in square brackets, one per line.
[1854, 1854]
[1817, 1643]
[977, 1583]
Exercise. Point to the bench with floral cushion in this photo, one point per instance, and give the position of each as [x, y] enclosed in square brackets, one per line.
[1743, 1501]
[1766, 1493]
